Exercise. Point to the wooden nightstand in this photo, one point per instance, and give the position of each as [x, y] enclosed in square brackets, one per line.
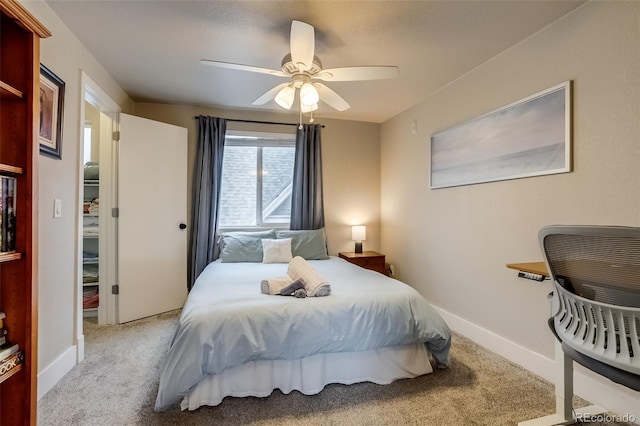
[367, 259]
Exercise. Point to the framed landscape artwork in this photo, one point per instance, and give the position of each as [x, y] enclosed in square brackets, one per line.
[530, 137]
[51, 109]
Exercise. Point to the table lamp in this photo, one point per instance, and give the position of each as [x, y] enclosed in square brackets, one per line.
[359, 234]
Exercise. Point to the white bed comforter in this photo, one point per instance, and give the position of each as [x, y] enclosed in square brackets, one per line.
[227, 321]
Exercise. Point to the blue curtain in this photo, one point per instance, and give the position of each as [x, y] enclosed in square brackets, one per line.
[207, 180]
[307, 205]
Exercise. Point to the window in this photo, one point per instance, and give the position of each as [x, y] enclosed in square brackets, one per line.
[257, 176]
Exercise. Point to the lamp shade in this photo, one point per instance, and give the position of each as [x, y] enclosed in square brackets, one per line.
[285, 97]
[308, 95]
[308, 108]
[359, 233]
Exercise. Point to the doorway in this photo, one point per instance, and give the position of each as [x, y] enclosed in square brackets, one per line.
[96, 241]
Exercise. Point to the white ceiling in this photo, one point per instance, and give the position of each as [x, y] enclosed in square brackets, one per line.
[153, 48]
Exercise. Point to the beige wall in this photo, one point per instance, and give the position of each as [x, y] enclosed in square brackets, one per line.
[351, 165]
[66, 57]
[452, 244]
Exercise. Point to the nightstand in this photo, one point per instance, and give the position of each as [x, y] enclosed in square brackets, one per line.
[367, 259]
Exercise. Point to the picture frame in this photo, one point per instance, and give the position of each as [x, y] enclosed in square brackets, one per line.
[51, 113]
[529, 137]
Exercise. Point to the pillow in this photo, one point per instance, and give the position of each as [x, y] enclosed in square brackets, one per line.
[276, 251]
[243, 246]
[310, 245]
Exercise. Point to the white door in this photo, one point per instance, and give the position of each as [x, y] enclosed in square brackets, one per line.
[152, 203]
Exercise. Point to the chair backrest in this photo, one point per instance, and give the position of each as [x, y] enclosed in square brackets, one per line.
[595, 304]
[600, 263]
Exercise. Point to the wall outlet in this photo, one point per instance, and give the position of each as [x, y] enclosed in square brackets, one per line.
[392, 270]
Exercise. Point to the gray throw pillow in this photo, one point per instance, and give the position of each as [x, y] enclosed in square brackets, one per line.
[310, 245]
[243, 246]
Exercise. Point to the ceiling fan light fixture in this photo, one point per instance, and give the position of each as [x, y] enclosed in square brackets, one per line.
[308, 108]
[308, 95]
[285, 97]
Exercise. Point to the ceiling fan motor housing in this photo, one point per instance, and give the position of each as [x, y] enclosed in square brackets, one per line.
[292, 69]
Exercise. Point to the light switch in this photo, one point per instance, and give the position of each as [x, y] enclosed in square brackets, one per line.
[57, 207]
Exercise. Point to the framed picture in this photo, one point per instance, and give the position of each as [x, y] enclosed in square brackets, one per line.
[51, 112]
[530, 137]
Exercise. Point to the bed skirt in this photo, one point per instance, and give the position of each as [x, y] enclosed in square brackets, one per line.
[311, 374]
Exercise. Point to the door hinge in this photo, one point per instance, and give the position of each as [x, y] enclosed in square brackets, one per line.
[116, 136]
[115, 212]
[115, 289]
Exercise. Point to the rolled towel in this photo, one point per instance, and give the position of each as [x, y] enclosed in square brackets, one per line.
[293, 288]
[274, 285]
[323, 290]
[313, 282]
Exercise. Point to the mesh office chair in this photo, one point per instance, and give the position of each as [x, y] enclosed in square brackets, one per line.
[595, 304]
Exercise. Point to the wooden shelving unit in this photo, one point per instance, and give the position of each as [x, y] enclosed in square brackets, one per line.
[10, 373]
[20, 35]
[9, 91]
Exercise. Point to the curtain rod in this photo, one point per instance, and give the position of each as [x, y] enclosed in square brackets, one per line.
[262, 122]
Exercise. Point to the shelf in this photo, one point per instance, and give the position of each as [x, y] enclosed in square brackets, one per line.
[6, 90]
[6, 257]
[10, 373]
[91, 266]
[5, 168]
[90, 312]
[13, 363]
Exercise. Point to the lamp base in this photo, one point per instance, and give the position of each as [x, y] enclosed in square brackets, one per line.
[358, 246]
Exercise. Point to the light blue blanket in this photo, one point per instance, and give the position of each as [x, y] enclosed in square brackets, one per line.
[227, 321]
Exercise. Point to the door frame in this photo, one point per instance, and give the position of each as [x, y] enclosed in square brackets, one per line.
[92, 93]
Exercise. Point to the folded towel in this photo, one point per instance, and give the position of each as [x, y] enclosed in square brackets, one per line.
[313, 282]
[274, 285]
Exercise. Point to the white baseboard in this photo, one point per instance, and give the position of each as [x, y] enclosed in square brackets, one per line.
[80, 348]
[587, 385]
[51, 374]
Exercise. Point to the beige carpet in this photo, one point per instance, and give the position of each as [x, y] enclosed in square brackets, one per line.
[117, 382]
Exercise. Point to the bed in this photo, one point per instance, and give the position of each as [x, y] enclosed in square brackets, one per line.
[233, 340]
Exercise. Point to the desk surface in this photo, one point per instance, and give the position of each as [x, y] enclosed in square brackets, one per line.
[533, 267]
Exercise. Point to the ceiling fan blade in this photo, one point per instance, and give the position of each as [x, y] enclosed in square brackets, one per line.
[303, 45]
[269, 95]
[331, 98]
[358, 73]
[241, 67]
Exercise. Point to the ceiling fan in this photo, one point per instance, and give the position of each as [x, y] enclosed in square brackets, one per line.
[303, 69]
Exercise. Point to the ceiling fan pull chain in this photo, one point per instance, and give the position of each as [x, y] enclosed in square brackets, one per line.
[300, 126]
